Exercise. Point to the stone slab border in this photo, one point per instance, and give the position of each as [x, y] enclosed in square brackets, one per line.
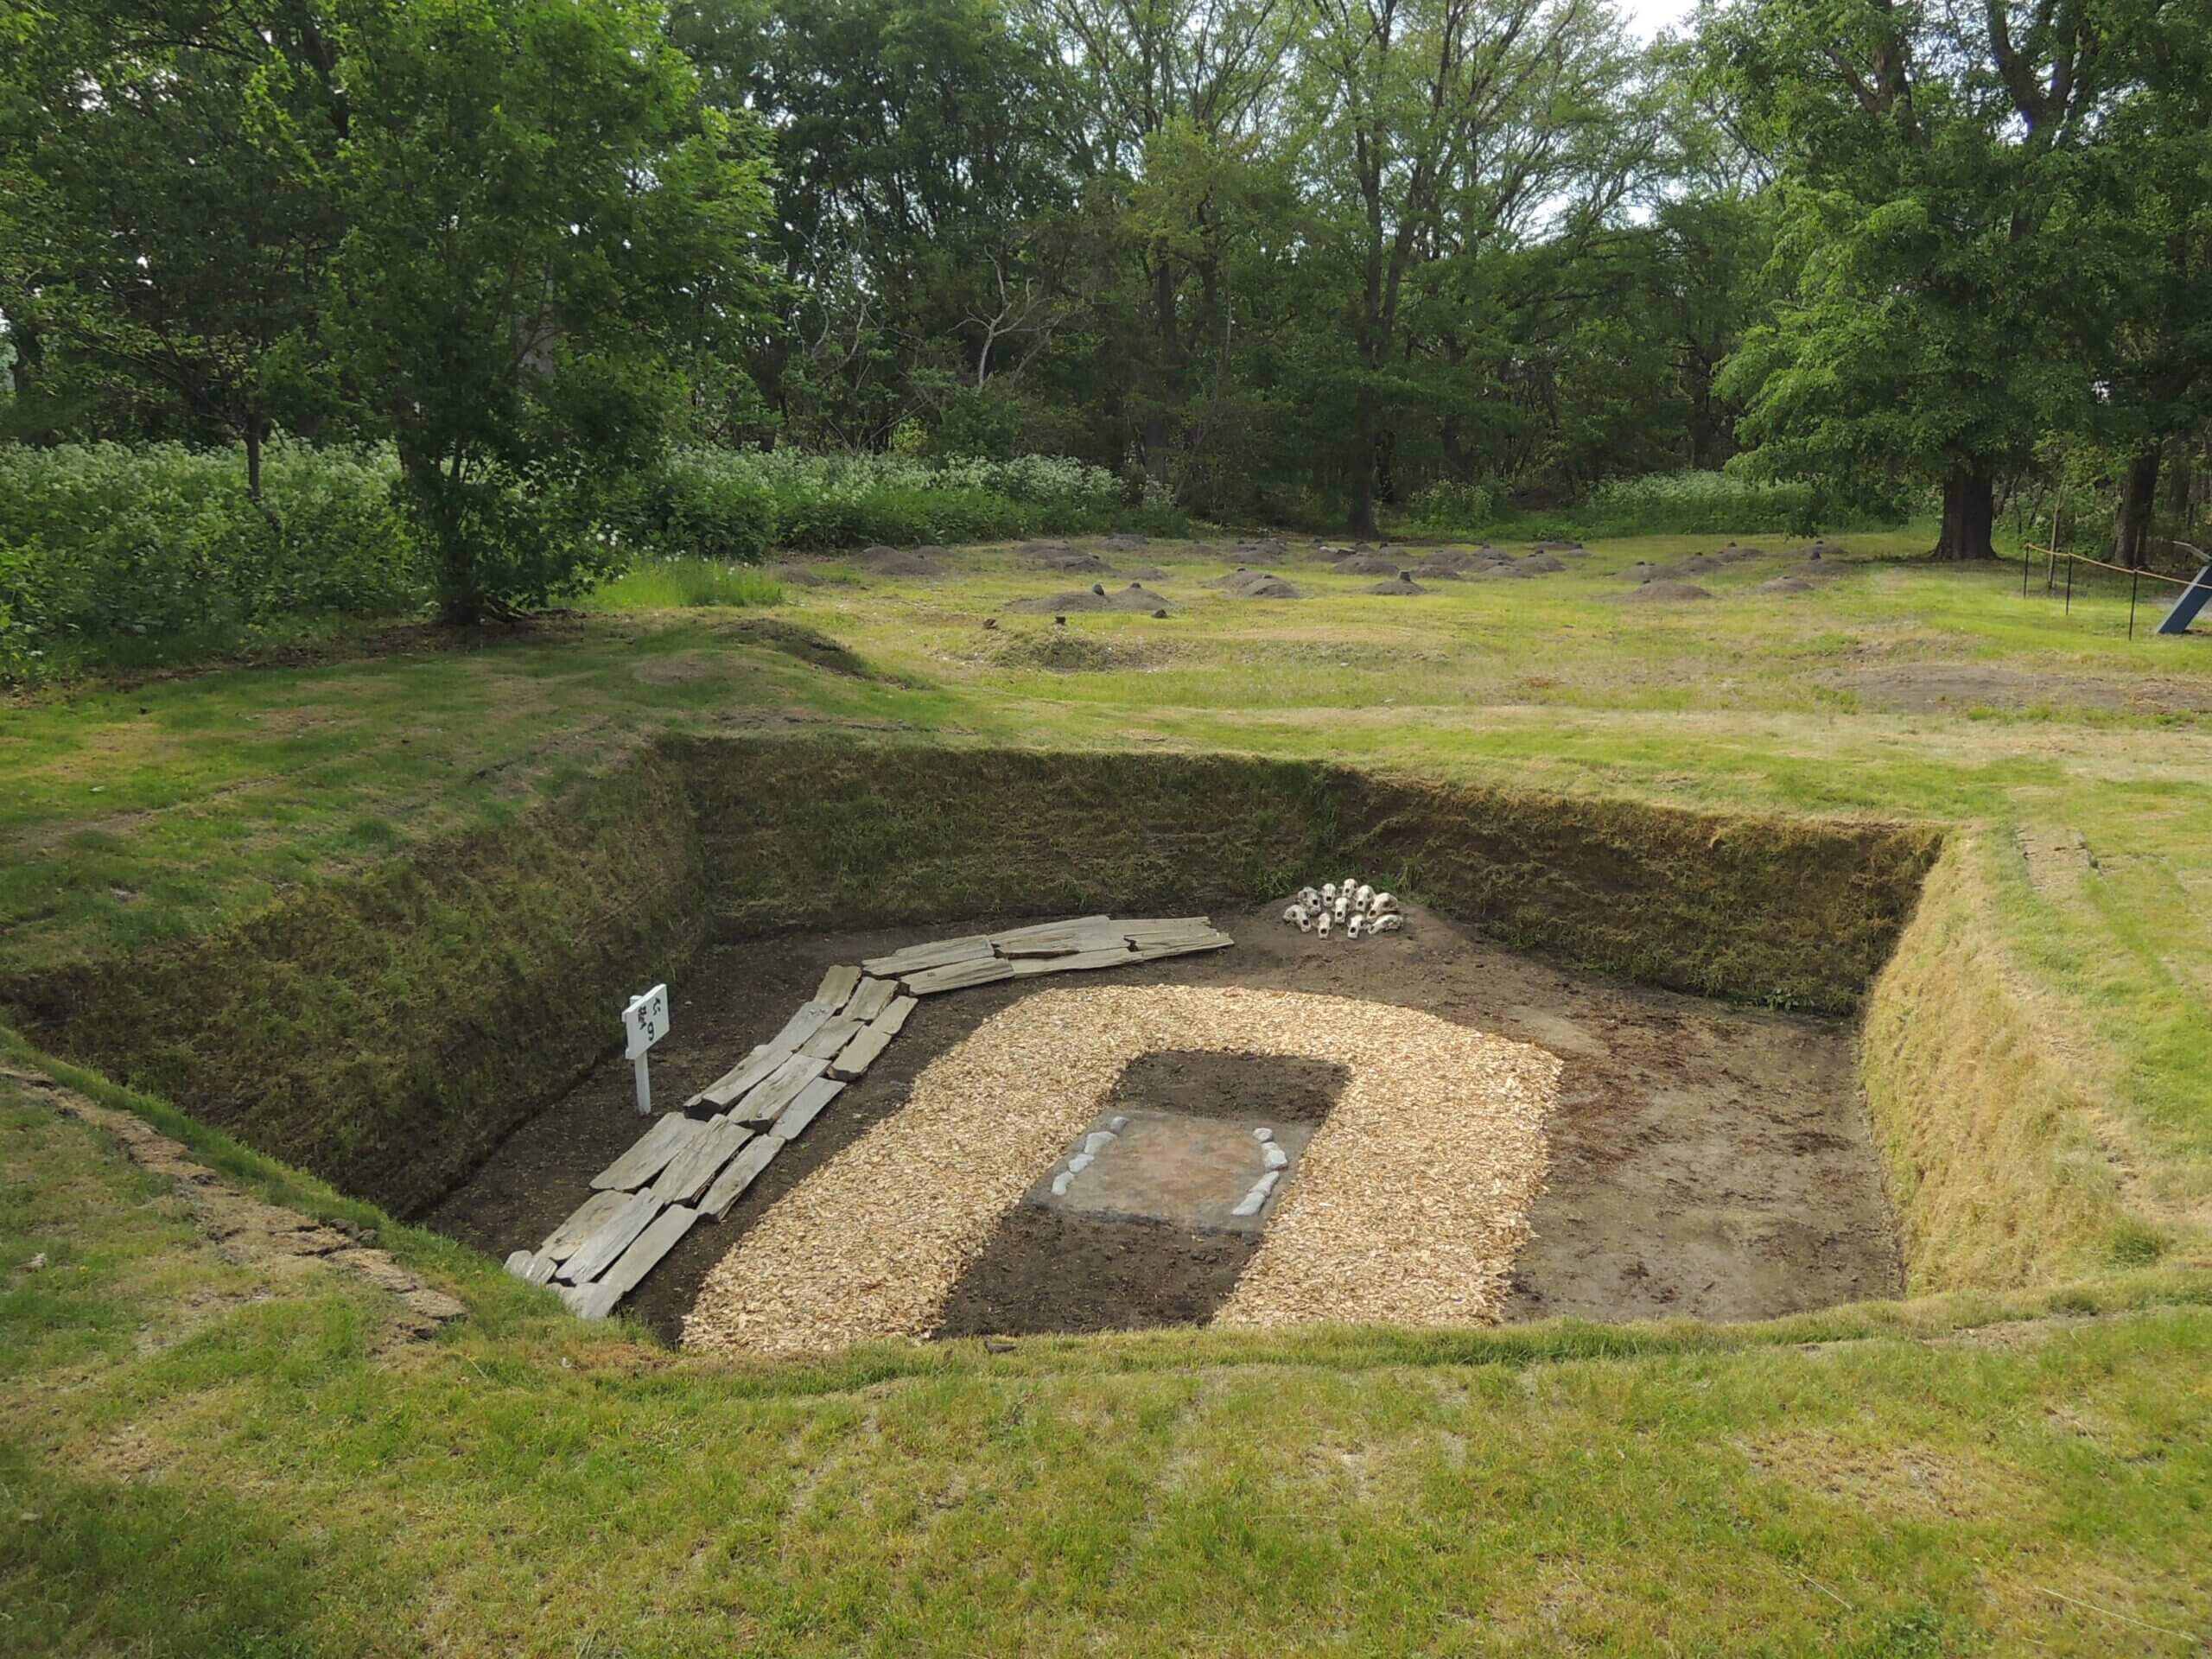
[1410, 1203]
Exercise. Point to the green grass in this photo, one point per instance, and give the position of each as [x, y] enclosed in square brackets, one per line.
[685, 583]
[2017, 1465]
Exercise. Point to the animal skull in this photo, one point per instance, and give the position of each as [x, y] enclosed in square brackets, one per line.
[1306, 922]
[1328, 892]
[1324, 924]
[1343, 907]
[1295, 913]
[1352, 927]
[1390, 921]
[1382, 902]
[1365, 897]
[1309, 898]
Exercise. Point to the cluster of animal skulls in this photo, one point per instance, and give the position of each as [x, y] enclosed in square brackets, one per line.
[1351, 904]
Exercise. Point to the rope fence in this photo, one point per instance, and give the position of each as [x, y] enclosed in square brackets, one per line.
[2135, 574]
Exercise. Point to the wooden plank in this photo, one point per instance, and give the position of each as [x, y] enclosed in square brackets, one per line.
[1120, 957]
[1143, 930]
[873, 998]
[837, 986]
[861, 1054]
[729, 1186]
[893, 1020]
[688, 1174]
[959, 976]
[1154, 952]
[755, 1065]
[832, 1036]
[1067, 944]
[810, 1019]
[1009, 942]
[597, 1300]
[939, 954]
[611, 1239]
[647, 1155]
[541, 1269]
[780, 1089]
[804, 1110]
[586, 1219]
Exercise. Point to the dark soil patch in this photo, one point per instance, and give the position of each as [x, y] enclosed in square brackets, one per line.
[1785, 585]
[797, 574]
[1661, 593]
[1048, 1270]
[1931, 688]
[1708, 1160]
[1062, 557]
[1135, 599]
[1541, 564]
[1432, 572]
[816, 650]
[1400, 586]
[1735, 552]
[1367, 564]
[1241, 1088]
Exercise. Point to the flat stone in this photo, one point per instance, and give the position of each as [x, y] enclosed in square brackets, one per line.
[937, 954]
[648, 1154]
[1080, 1162]
[893, 1020]
[804, 1110]
[741, 1076]
[1263, 1133]
[838, 985]
[1060, 1184]
[810, 1019]
[825, 1043]
[688, 1174]
[1118, 1124]
[961, 975]
[601, 1250]
[1115, 956]
[1276, 1156]
[859, 1054]
[597, 1300]
[729, 1186]
[1098, 1140]
[781, 1089]
[873, 997]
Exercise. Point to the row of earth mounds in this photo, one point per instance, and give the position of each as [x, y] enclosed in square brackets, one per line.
[1676, 583]
[1135, 600]
[1241, 583]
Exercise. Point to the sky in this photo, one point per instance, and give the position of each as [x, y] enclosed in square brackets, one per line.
[1648, 17]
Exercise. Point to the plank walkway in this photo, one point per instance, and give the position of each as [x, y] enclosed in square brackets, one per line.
[683, 1168]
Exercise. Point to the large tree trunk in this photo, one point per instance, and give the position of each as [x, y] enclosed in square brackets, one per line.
[2139, 493]
[2179, 480]
[1361, 520]
[1969, 514]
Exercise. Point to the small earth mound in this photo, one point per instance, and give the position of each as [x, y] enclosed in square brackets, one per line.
[1146, 572]
[1126, 538]
[1266, 550]
[1134, 599]
[1255, 584]
[1367, 564]
[1457, 559]
[900, 561]
[1541, 564]
[797, 574]
[1431, 570]
[1560, 547]
[1785, 585]
[1400, 586]
[1505, 570]
[1060, 556]
[1060, 652]
[1662, 592]
[1826, 550]
[1697, 565]
[1644, 570]
[1736, 552]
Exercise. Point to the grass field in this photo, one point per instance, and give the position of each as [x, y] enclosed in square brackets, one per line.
[196, 1457]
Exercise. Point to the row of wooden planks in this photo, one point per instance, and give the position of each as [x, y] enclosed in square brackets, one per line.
[684, 1168]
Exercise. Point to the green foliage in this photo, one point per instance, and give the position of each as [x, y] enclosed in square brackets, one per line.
[103, 542]
[683, 583]
[1449, 508]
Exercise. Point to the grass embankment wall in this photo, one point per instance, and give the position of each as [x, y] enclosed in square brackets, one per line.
[1792, 913]
[1994, 1168]
[385, 1031]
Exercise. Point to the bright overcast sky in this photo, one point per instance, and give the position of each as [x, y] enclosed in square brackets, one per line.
[1648, 17]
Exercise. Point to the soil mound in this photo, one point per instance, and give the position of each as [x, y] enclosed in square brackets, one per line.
[1135, 599]
[1255, 584]
[1367, 564]
[1057, 556]
[1560, 547]
[1504, 570]
[1662, 592]
[1430, 570]
[1785, 585]
[1267, 549]
[1399, 586]
[1541, 564]
[797, 574]
[1826, 550]
[1460, 558]
[1145, 573]
[1736, 552]
[900, 561]
[1644, 570]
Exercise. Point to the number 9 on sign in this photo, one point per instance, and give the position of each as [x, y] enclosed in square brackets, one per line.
[645, 1021]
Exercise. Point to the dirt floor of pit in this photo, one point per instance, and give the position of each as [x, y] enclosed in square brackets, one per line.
[1707, 1160]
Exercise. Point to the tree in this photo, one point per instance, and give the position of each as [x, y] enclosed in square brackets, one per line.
[164, 227]
[539, 215]
[1946, 286]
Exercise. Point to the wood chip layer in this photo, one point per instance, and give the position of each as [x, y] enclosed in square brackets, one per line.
[1409, 1206]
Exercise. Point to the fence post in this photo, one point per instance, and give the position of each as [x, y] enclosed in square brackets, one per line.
[2069, 584]
[2134, 583]
[2024, 570]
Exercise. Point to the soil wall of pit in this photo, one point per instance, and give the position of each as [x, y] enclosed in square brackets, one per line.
[386, 1030]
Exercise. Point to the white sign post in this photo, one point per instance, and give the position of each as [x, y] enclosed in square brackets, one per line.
[646, 1019]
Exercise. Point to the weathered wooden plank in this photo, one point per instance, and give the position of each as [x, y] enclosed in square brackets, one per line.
[1119, 957]
[1066, 944]
[1010, 941]
[597, 1300]
[803, 1111]
[873, 998]
[832, 1036]
[861, 1054]
[648, 1154]
[937, 954]
[688, 1174]
[757, 1065]
[836, 987]
[586, 1219]
[1182, 948]
[729, 1186]
[611, 1239]
[541, 1269]
[959, 976]
[893, 1020]
[518, 1262]
[781, 1089]
[810, 1019]
[1143, 930]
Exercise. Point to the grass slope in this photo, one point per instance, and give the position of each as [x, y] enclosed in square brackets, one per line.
[208, 1466]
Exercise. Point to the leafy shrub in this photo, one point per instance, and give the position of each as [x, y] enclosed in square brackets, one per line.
[1450, 508]
[694, 505]
[106, 542]
[1687, 504]
[667, 583]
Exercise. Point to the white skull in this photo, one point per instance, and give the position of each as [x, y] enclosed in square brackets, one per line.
[1381, 902]
[1389, 923]
[1306, 922]
[1343, 907]
[1329, 893]
[1352, 927]
[1295, 913]
[1324, 924]
[1364, 896]
[1309, 898]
